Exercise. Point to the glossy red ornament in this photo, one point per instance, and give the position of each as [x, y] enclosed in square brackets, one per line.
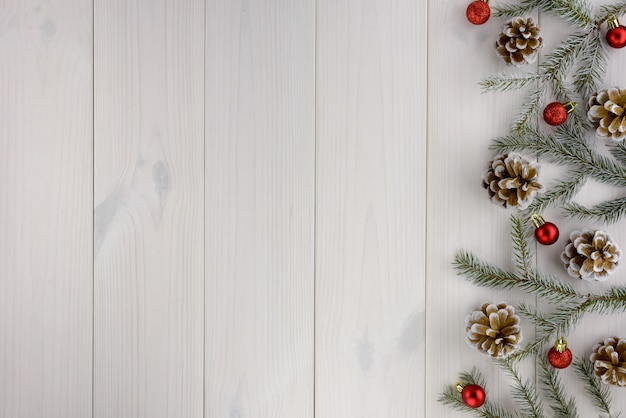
[472, 395]
[616, 35]
[546, 233]
[555, 113]
[478, 12]
[560, 356]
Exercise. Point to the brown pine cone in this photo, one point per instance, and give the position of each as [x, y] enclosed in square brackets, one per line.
[591, 255]
[519, 42]
[606, 110]
[609, 361]
[512, 181]
[494, 329]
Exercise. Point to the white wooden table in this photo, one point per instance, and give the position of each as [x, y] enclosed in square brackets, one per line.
[239, 208]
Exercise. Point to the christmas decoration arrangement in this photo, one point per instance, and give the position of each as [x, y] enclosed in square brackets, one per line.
[588, 142]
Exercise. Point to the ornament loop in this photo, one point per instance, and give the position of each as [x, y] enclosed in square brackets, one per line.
[537, 220]
[612, 22]
[570, 106]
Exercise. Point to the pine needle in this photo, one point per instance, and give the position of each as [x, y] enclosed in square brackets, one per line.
[618, 151]
[607, 11]
[529, 110]
[505, 82]
[558, 62]
[524, 393]
[607, 212]
[563, 407]
[600, 395]
[592, 66]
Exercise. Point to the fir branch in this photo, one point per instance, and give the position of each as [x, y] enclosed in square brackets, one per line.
[529, 110]
[559, 323]
[592, 66]
[451, 397]
[515, 10]
[539, 319]
[598, 167]
[506, 82]
[608, 212]
[561, 193]
[523, 392]
[562, 407]
[557, 63]
[611, 301]
[600, 395]
[487, 275]
[607, 11]
[575, 12]
[618, 151]
[521, 250]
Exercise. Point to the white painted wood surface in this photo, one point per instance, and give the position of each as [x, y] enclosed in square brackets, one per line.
[370, 200]
[149, 209]
[46, 197]
[220, 208]
[260, 168]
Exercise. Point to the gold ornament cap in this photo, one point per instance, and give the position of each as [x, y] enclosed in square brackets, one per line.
[612, 22]
[460, 387]
[570, 106]
[537, 220]
[560, 345]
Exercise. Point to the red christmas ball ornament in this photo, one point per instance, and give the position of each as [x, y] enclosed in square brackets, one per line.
[546, 233]
[555, 113]
[560, 356]
[616, 35]
[472, 395]
[478, 12]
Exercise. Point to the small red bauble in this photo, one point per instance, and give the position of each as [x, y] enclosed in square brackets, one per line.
[560, 356]
[555, 113]
[616, 35]
[546, 233]
[478, 12]
[472, 395]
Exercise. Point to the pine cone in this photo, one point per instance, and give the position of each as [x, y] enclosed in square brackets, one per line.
[519, 42]
[606, 111]
[512, 181]
[591, 255]
[609, 361]
[494, 329]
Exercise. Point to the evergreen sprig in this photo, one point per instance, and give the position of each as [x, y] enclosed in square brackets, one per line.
[607, 11]
[600, 395]
[570, 72]
[562, 405]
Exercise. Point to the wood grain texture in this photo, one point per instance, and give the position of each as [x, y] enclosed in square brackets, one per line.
[45, 208]
[149, 196]
[260, 156]
[370, 223]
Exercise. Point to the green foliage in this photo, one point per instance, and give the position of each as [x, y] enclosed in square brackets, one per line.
[562, 405]
[572, 71]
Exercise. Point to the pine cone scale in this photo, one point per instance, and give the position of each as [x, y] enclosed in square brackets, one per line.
[606, 111]
[609, 361]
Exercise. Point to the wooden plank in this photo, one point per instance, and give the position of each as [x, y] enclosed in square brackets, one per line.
[149, 197]
[259, 208]
[462, 124]
[371, 179]
[46, 208]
